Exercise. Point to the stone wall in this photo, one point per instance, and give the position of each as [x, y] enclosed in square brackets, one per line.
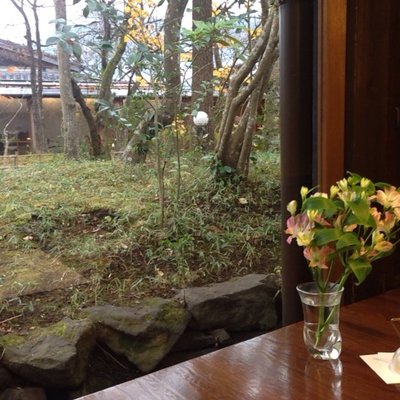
[51, 121]
[109, 344]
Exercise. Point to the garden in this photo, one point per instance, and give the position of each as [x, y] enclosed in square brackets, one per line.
[74, 234]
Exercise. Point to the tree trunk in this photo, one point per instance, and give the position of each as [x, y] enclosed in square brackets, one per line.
[95, 140]
[202, 89]
[103, 122]
[38, 116]
[101, 135]
[37, 131]
[109, 70]
[244, 144]
[106, 37]
[172, 29]
[235, 142]
[217, 56]
[69, 125]
[135, 151]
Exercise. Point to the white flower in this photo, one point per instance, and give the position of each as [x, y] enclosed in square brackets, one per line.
[200, 119]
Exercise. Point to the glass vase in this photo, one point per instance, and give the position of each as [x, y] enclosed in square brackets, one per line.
[321, 320]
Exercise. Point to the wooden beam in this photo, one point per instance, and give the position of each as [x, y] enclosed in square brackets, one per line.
[331, 76]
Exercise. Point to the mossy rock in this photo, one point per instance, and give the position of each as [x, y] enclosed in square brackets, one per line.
[144, 333]
[55, 356]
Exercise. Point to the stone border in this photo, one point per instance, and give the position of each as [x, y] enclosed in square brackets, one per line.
[140, 338]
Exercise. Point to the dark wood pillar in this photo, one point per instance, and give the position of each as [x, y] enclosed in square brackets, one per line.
[373, 111]
[296, 68]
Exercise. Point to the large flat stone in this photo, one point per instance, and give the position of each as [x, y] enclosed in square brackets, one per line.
[33, 271]
[239, 304]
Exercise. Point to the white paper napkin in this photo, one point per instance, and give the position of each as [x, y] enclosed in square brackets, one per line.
[379, 363]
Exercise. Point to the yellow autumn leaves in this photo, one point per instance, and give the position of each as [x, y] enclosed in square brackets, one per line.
[141, 26]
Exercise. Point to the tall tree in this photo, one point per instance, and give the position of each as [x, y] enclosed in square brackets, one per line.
[172, 67]
[245, 92]
[68, 106]
[35, 54]
[202, 67]
[114, 28]
[165, 110]
[109, 66]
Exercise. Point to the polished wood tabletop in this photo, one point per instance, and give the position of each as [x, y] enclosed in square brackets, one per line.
[276, 365]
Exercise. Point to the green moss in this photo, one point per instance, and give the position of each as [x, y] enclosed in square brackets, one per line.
[172, 314]
[59, 329]
[11, 340]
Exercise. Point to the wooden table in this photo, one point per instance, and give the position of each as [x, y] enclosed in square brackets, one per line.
[276, 365]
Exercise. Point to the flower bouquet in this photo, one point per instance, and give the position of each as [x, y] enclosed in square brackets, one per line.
[342, 233]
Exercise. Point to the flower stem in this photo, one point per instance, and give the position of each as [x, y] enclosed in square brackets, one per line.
[323, 323]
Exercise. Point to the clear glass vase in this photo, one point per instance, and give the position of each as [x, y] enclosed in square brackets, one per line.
[321, 320]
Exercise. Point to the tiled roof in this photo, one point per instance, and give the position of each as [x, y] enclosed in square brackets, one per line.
[14, 54]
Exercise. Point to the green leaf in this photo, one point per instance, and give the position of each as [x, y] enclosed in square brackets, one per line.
[360, 268]
[93, 5]
[360, 209]
[52, 40]
[348, 239]
[201, 25]
[86, 12]
[227, 169]
[58, 21]
[325, 236]
[66, 29]
[134, 58]
[353, 178]
[223, 42]
[353, 219]
[77, 50]
[232, 39]
[65, 46]
[75, 2]
[106, 45]
[327, 206]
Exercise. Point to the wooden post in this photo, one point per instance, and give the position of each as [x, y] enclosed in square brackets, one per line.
[331, 76]
[296, 115]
